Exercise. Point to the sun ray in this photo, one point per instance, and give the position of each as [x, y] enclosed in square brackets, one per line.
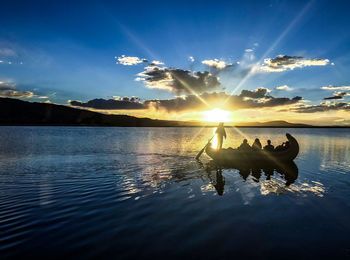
[276, 42]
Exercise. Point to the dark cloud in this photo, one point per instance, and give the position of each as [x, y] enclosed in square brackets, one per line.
[217, 99]
[202, 102]
[284, 62]
[323, 107]
[337, 95]
[258, 93]
[117, 104]
[179, 80]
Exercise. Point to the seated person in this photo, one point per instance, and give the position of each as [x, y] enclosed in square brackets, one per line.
[244, 146]
[280, 147]
[256, 145]
[269, 147]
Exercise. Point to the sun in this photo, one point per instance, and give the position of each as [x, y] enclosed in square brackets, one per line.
[216, 115]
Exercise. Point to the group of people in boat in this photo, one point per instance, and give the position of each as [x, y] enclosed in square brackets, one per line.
[256, 146]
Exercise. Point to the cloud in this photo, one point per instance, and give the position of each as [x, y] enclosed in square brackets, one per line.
[330, 87]
[10, 91]
[257, 93]
[178, 80]
[129, 61]
[285, 62]
[248, 50]
[284, 87]
[337, 95]
[217, 64]
[191, 59]
[217, 99]
[117, 104]
[156, 62]
[257, 99]
[323, 107]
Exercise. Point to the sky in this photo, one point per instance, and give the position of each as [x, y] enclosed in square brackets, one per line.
[235, 61]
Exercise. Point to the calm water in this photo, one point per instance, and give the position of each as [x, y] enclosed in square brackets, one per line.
[138, 192]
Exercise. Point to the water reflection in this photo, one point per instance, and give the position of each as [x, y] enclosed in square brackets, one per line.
[288, 172]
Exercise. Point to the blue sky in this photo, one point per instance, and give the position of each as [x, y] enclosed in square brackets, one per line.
[66, 51]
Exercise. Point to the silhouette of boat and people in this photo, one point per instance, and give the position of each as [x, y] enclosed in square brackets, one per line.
[287, 151]
[288, 172]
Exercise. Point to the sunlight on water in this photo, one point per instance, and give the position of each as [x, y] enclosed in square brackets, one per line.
[214, 141]
[107, 191]
[279, 187]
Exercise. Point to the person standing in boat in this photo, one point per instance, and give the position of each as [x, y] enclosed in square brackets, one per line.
[221, 133]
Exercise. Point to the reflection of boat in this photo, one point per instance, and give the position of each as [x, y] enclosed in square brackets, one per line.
[288, 171]
[232, 156]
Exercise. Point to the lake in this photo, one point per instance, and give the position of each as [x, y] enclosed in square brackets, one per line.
[138, 192]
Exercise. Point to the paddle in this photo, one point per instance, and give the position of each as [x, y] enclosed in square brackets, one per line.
[201, 151]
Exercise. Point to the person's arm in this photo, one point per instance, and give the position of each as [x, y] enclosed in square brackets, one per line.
[224, 133]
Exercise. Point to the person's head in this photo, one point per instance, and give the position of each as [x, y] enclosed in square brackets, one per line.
[268, 142]
[257, 140]
[221, 124]
[245, 141]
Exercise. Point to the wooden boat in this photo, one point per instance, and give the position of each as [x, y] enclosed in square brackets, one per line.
[235, 156]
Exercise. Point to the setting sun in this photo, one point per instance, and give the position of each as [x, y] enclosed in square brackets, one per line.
[216, 115]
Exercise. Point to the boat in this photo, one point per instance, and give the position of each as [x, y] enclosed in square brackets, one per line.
[232, 156]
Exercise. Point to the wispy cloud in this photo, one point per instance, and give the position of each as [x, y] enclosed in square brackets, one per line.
[8, 52]
[191, 59]
[129, 61]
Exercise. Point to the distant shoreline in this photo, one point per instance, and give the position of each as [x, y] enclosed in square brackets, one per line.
[175, 126]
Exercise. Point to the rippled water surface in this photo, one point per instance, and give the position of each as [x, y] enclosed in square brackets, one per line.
[138, 192]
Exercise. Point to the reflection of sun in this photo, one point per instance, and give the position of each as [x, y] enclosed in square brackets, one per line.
[216, 115]
[214, 142]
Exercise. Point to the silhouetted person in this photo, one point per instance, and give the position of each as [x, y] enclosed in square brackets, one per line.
[244, 146]
[221, 133]
[269, 147]
[279, 147]
[244, 172]
[220, 182]
[256, 146]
